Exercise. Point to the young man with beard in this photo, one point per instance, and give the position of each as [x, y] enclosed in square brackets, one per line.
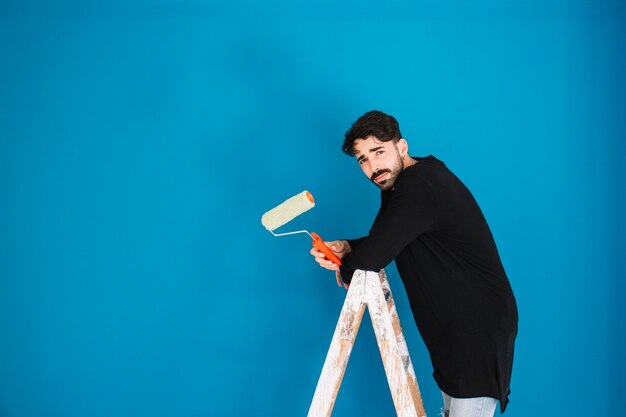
[461, 299]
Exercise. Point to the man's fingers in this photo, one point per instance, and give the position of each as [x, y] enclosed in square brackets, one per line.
[317, 253]
[327, 264]
[321, 259]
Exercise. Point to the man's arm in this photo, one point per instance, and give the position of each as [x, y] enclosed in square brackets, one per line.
[410, 212]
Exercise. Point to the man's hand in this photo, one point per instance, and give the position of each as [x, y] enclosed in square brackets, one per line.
[339, 247]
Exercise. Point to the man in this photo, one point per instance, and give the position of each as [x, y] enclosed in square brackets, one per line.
[461, 299]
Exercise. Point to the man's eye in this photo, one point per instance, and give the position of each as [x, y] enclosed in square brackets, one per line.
[380, 152]
[361, 161]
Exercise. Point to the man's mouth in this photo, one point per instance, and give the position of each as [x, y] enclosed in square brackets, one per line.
[381, 175]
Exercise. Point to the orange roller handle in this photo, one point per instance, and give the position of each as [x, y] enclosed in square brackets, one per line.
[318, 244]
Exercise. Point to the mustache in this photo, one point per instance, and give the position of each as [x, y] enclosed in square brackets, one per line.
[379, 173]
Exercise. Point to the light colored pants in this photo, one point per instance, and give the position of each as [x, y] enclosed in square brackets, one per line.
[468, 407]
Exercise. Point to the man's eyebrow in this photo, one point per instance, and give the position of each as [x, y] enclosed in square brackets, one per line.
[361, 156]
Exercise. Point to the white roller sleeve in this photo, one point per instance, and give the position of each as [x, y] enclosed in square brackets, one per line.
[287, 211]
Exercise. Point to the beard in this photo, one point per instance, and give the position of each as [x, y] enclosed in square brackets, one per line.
[393, 172]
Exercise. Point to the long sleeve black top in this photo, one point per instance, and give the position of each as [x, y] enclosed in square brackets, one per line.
[458, 290]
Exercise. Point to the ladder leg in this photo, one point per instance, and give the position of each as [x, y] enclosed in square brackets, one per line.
[393, 349]
[339, 352]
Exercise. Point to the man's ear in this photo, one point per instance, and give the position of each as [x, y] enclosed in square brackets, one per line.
[403, 147]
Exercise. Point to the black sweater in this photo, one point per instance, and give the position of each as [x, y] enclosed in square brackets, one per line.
[461, 298]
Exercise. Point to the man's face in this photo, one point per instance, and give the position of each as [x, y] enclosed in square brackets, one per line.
[380, 161]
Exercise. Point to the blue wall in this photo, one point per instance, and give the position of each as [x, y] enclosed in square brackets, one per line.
[140, 144]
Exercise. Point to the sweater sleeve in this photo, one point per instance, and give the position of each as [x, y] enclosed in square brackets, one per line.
[409, 212]
[354, 243]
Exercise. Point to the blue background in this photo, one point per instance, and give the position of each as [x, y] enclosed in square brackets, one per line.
[141, 142]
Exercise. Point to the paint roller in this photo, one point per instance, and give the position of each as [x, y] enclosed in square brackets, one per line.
[290, 209]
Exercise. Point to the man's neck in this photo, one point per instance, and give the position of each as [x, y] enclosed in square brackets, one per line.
[408, 162]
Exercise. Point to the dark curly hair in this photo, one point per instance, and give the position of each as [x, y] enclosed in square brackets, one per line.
[373, 123]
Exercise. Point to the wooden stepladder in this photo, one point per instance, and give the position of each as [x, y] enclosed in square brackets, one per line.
[369, 289]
